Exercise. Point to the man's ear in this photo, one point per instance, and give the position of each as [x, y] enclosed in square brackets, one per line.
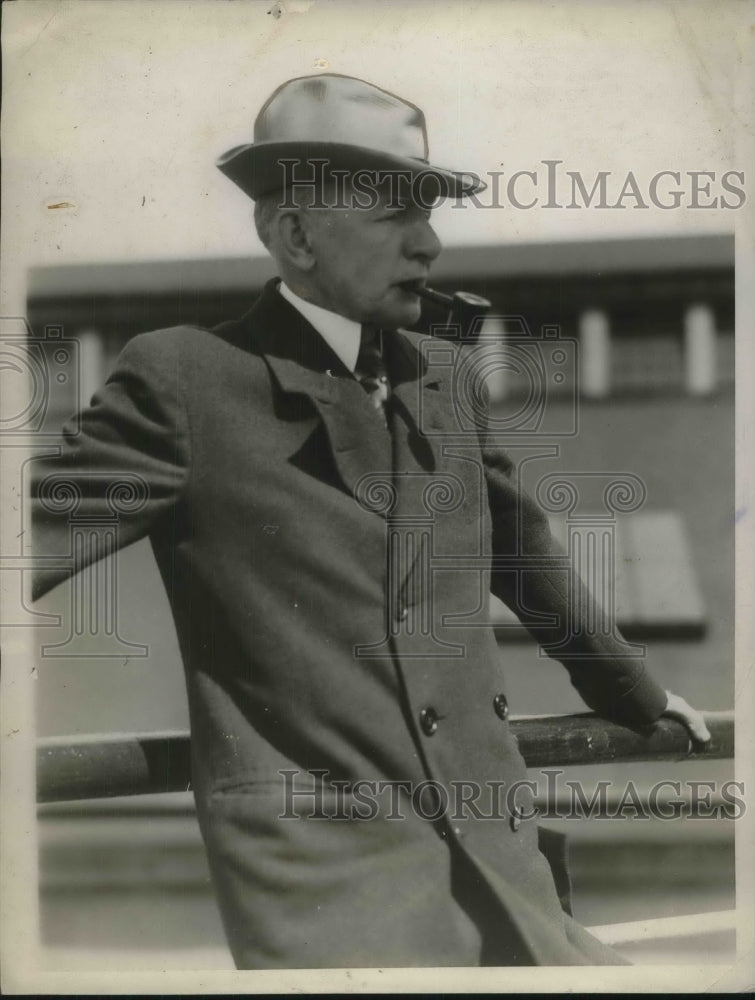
[294, 238]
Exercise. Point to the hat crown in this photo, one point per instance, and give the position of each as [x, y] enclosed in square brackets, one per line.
[342, 109]
[346, 123]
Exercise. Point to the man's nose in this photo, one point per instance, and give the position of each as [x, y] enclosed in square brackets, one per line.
[422, 241]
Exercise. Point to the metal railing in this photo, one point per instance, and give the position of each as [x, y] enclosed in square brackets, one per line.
[104, 766]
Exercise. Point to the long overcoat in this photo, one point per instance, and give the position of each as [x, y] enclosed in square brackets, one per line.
[329, 580]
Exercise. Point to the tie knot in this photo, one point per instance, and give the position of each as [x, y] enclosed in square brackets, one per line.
[370, 370]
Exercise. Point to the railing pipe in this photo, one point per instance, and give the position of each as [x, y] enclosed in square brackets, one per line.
[95, 767]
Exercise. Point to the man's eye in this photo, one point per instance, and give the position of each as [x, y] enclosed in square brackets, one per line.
[403, 212]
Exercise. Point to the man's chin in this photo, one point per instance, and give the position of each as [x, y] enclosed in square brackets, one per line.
[405, 313]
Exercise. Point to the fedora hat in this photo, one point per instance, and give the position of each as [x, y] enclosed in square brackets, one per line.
[345, 121]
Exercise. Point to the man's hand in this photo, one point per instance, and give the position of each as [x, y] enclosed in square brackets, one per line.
[677, 708]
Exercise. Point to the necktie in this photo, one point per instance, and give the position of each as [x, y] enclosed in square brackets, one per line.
[370, 370]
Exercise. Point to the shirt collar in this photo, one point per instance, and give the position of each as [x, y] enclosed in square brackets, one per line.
[341, 334]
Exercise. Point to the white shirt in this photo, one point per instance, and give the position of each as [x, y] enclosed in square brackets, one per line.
[342, 335]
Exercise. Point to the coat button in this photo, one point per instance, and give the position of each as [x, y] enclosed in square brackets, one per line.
[516, 818]
[501, 706]
[428, 720]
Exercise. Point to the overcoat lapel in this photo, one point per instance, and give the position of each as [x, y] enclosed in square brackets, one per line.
[303, 363]
[417, 393]
[417, 404]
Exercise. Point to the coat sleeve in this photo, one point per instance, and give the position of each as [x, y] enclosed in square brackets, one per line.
[125, 465]
[611, 683]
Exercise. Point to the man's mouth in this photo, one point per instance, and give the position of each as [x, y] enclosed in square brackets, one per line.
[411, 285]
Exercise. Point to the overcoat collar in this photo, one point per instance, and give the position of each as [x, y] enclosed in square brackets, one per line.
[303, 363]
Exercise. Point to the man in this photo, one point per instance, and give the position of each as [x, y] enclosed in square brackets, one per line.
[293, 475]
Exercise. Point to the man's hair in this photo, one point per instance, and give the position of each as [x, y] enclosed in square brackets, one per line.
[265, 208]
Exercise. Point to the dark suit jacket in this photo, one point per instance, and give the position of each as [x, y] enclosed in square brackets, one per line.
[270, 494]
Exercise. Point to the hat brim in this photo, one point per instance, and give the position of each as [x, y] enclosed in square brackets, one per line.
[257, 168]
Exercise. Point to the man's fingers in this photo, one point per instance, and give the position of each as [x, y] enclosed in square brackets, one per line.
[697, 727]
[677, 708]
